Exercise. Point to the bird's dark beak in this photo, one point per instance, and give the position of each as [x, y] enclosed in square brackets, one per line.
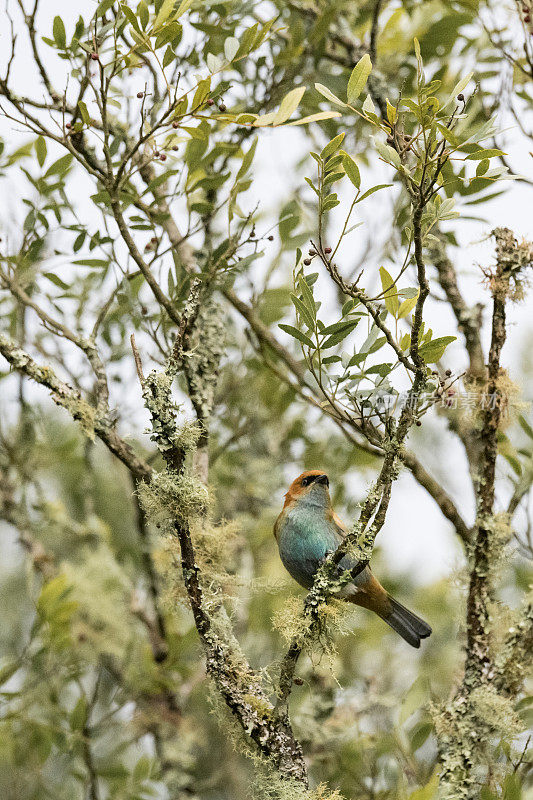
[322, 479]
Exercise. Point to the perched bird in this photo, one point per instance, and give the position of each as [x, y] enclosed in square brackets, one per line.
[308, 529]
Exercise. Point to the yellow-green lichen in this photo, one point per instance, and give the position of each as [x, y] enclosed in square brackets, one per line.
[171, 497]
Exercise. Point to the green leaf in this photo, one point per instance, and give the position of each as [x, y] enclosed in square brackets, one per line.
[104, 6]
[132, 19]
[60, 37]
[352, 170]
[40, 150]
[78, 715]
[458, 89]
[332, 146]
[56, 280]
[325, 92]
[391, 293]
[417, 695]
[512, 789]
[482, 154]
[297, 335]
[169, 32]
[183, 7]
[420, 735]
[433, 350]
[372, 190]
[339, 331]
[526, 427]
[303, 311]
[201, 93]
[86, 117]
[407, 306]
[288, 106]
[231, 47]
[307, 295]
[321, 115]
[91, 262]
[368, 105]
[60, 166]
[359, 77]
[164, 13]
[143, 14]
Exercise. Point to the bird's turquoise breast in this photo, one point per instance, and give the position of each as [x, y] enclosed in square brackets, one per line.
[304, 538]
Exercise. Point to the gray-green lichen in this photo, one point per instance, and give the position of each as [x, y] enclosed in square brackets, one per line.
[171, 497]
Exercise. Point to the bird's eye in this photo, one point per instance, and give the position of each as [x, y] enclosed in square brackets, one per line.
[306, 481]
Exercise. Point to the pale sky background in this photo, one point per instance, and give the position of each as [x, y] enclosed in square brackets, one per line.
[423, 542]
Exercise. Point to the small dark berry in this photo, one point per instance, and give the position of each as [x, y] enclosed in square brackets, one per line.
[270, 238]
[223, 107]
[163, 157]
[153, 239]
[144, 311]
[307, 261]
[157, 153]
[68, 125]
[175, 147]
[461, 97]
[448, 373]
[95, 57]
[418, 423]
[312, 253]
[210, 101]
[298, 682]
[175, 124]
[327, 250]
[527, 18]
[140, 95]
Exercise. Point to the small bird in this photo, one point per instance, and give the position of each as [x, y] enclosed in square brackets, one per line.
[308, 529]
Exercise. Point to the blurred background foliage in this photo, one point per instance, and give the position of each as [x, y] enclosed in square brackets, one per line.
[88, 706]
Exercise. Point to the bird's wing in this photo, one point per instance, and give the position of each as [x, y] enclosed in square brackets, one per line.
[277, 525]
[340, 527]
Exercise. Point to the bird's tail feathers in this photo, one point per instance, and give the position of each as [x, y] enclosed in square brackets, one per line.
[408, 625]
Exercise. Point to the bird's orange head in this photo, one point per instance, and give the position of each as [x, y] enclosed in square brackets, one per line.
[312, 484]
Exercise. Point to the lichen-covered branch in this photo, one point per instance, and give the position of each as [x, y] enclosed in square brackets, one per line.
[490, 680]
[186, 495]
[70, 399]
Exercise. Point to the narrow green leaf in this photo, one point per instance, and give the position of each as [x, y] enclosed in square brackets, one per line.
[321, 115]
[336, 338]
[294, 332]
[328, 94]
[391, 293]
[56, 280]
[407, 306]
[303, 311]
[132, 19]
[332, 146]
[307, 295]
[352, 170]
[433, 350]
[482, 154]
[372, 190]
[58, 167]
[289, 104]
[40, 150]
[164, 13]
[359, 77]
